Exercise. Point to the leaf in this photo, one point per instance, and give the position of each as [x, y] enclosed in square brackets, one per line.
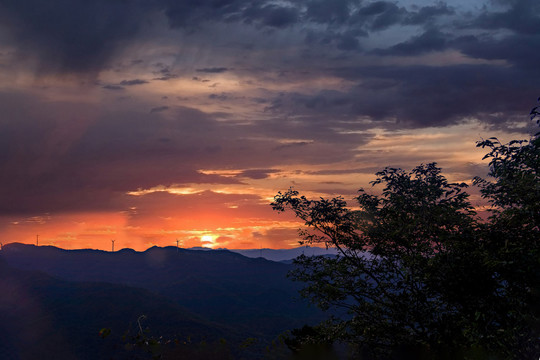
[104, 332]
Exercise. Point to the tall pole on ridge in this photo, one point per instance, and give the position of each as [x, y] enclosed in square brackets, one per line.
[37, 240]
[112, 240]
[177, 242]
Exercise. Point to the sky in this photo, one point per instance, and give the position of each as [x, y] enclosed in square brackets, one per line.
[152, 121]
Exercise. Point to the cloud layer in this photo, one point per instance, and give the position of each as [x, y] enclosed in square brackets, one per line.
[109, 105]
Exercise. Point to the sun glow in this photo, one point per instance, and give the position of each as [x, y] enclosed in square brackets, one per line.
[208, 240]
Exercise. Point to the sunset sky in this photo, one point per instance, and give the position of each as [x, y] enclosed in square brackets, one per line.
[147, 121]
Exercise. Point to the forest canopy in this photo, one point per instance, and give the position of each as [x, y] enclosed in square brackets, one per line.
[419, 273]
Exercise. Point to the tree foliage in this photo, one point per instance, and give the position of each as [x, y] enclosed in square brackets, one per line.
[512, 245]
[418, 272]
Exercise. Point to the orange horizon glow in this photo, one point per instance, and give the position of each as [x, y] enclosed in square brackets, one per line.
[96, 231]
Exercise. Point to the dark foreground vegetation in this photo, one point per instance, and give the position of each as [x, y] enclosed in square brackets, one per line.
[420, 274]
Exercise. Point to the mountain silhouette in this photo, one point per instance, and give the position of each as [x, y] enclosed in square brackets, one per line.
[193, 292]
[287, 255]
[42, 317]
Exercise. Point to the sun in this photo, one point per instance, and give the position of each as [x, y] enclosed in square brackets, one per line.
[208, 240]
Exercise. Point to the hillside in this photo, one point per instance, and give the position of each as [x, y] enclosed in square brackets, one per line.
[208, 293]
[286, 255]
[42, 317]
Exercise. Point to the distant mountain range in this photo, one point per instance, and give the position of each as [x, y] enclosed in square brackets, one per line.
[42, 317]
[59, 299]
[282, 255]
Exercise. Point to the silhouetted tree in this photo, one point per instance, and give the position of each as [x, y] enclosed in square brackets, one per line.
[512, 242]
[418, 273]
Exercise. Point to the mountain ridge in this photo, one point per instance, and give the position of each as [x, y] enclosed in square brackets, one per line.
[252, 296]
[276, 255]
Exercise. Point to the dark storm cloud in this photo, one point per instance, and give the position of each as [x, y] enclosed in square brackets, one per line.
[337, 11]
[417, 96]
[221, 97]
[349, 22]
[165, 74]
[522, 16]
[196, 78]
[326, 99]
[378, 8]
[432, 96]
[82, 36]
[427, 14]
[190, 14]
[257, 173]
[380, 15]
[213, 70]
[122, 84]
[70, 36]
[364, 170]
[187, 14]
[349, 40]
[519, 50]
[431, 40]
[271, 15]
[292, 145]
[133, 82]
[158, 109]
[166, 77]
[497, 91]
[113, 87]
[374, 15]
